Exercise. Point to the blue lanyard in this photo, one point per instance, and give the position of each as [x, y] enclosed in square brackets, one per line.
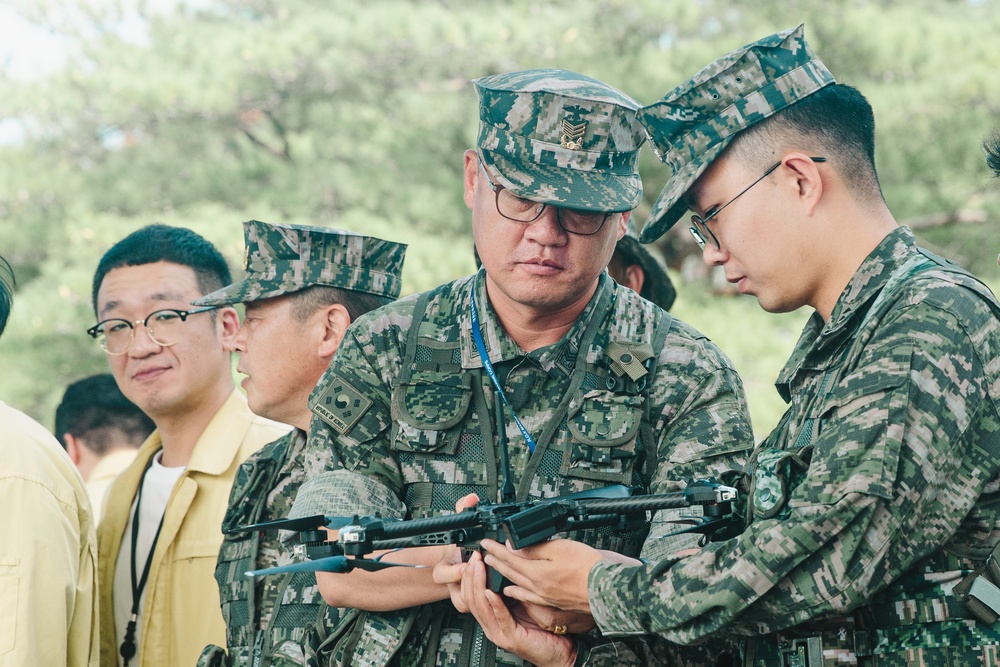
[478, 337]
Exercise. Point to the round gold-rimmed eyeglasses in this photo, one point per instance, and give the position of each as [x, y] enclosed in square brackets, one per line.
[165, 328]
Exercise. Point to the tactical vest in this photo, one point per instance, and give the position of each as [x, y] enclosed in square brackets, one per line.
[298, 618]
[444, 435]
[858, 639]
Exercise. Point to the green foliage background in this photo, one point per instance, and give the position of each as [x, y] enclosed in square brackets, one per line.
[355, 115]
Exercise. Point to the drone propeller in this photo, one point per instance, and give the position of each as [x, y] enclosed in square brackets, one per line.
[298, 525]
[609, 492]
[335, 564]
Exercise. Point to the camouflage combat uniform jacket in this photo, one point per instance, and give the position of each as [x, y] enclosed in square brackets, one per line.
[275, 620]
[875, 494]
[422, 432]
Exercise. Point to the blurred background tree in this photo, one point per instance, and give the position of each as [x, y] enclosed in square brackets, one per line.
[355, 115]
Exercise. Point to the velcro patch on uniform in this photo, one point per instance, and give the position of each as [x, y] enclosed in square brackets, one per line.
[341, 405]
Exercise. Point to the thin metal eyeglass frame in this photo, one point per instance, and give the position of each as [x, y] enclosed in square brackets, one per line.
[96, 334]
[497, 188]
[700, 229]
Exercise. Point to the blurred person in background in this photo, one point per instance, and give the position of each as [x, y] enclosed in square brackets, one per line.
[635, 266]
[992, 147]
[161, 532]
[48, 548]
[101, 431]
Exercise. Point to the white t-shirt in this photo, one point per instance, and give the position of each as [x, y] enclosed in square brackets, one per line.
[157, 485]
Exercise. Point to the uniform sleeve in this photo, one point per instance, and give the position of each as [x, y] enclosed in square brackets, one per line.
[908, 440]
[351, 413]
[702, 430]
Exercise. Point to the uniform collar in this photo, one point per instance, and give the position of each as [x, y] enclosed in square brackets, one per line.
[819, 339]
[220, 441]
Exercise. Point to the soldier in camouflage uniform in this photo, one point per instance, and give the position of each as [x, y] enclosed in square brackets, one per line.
[303, 287]
[874, 502]
[602, 387]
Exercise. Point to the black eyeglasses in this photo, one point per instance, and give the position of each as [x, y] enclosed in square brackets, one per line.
[700, 230]
[518, 209]
[165, 328]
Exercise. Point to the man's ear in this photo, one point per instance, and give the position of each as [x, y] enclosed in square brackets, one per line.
[623, 224]
[73, 448]
[471, 177]
[229, 324]
[334, 319]
[808, 179]
[634, 277]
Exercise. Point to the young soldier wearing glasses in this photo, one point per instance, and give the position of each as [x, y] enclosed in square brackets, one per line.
[160, 536]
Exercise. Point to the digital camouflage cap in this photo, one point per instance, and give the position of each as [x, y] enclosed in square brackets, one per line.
[561, 138]
[691, 125]
[281, 259]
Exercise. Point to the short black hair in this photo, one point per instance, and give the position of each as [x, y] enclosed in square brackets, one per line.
[163, 243]
[309, 300]
[7, 283]
[93, 407]
[991, 145]
[836, 121]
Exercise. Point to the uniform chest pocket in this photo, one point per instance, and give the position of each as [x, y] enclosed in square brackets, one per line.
[858, 444]
[602, 428]
[428, 410]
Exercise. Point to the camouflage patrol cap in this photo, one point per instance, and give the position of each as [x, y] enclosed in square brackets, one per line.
[561, 138]
[657, 286]
[692, 124]
[281, 259]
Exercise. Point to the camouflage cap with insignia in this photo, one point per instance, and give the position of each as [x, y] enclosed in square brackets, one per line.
[281, 259]
[561, 138]
[657, 286]
[691, 125]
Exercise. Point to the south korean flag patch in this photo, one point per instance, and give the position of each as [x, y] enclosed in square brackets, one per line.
[341, 405]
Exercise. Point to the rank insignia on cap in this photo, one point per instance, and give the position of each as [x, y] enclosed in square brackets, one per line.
[246, 257]
[572, 134]
[341, 406]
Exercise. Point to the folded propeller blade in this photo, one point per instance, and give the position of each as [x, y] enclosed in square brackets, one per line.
[298, 525]
[335, 564]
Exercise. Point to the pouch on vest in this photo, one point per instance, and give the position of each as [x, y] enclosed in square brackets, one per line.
[427, 411]
[603, 427]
